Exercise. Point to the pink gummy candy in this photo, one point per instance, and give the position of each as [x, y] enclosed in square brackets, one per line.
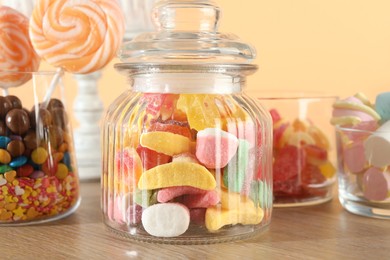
[375, 184]
[215, 147]
[354, 157]
[197, 216]
[204, 200]
[167, 194]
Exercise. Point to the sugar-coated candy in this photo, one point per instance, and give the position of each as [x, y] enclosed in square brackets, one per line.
[185, 157]
[171, 126]
[144, 198]
[189, 196]
[150, 158]
[129, 169]
[235, 172]
[288, 163]
[215, 147]
[159, 104]
[166, 219]
[18, 121]
[201, 110]
[4, 141]
[261, 194]
[235, 209]
[5, 157]
[377, 146]
[165, 142]
[177, 174]
[197, 216]
[16, 148]
[376, 184]
[354, 157]
[382, 106]
[18, 161]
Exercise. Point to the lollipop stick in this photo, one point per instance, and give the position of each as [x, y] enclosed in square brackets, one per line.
[5, 92]
[52, 87]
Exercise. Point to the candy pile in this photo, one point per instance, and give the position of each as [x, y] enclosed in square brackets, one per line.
[364, 145]
[37, 175]
[192, 162]
[301, 168]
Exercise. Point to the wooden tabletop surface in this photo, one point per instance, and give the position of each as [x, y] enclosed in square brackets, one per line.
[317, 232]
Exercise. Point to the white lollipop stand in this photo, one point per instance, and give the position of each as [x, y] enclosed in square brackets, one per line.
[88, 107]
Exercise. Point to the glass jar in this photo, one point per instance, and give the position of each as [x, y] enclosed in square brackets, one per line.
[304, 164]
[187, 155]
[38, 172]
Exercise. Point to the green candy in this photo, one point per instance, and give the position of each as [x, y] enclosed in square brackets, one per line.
[234, 173]
[5, 168]
[261, 194]
[145, 198]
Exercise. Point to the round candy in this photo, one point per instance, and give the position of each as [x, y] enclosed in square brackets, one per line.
[375, 184]
[4, 140]
[3, 128]
[62, 171]
[5, 168]
[18, 121]
[5, 106]
[16, 51]
[39, 155]
[18, 161]
[16, 148]
[25, 170]
[5, 157]
[60, 118]
[15, 101]
[78, 36]
[30, 140]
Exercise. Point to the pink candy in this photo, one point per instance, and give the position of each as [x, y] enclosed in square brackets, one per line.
[190, 196]
[354, 157]
[215, 147]
[376, 184]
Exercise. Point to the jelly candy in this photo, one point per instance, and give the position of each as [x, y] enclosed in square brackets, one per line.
[201, 110]
[171, 126]
[129, 167]
[177, 174]
[165, 142]
[376, 184]
[160, 104]
[311, 174]
[215, 147]
[169, 193]
[238, 167]
[185, 157]
[288, 163]
[150, 158]
[189, 196]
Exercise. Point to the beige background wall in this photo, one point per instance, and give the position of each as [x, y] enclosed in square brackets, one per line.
[338, 46]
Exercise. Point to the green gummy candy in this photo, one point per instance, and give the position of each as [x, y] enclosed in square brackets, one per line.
[5, 168]
[234, 173]
[145, 198]
[261, 194]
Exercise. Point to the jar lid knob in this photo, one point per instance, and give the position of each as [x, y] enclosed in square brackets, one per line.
[186, 15]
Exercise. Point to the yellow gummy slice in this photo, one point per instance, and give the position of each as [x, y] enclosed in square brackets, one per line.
[327, 169]
[166, 142]
[201, 110]
[234, 201]
[177, 174]
[216, 217]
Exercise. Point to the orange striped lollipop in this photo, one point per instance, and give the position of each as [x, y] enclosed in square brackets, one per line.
[16, 52]
[80, 36]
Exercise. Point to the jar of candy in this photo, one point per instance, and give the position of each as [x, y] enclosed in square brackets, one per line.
[38, 173]
[187, 155]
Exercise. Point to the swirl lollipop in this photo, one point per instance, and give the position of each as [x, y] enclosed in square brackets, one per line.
[16, 52]
[78, 36]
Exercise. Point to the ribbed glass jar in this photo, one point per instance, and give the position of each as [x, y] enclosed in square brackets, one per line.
[187, 156]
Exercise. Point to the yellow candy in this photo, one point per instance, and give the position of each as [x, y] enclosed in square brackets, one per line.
[202, 111]
[299, 138]
[166, 142]
[5, 157]
[62, 171]
[177, 174]
[39, 155]
[327, 169]
[10, 176]
[319, 137]
[216, 217]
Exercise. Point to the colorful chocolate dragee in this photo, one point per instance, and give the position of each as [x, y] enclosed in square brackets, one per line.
[364, 148]
[302, 169]
[187, 164]
[38, 178]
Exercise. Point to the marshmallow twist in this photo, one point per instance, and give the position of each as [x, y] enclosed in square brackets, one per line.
[80, 36]
[16, 52]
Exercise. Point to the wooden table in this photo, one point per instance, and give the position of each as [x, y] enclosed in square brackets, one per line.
[318, 232]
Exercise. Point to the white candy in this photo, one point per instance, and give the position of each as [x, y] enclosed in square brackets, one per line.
[166, 219]
[377, 147]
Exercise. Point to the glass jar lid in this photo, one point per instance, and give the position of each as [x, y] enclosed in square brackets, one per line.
[187, 38]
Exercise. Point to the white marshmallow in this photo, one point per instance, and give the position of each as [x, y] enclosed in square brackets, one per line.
[377, 146]
[166, 219]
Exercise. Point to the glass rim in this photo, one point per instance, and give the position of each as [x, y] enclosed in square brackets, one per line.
[292, 95]
[357, 130]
